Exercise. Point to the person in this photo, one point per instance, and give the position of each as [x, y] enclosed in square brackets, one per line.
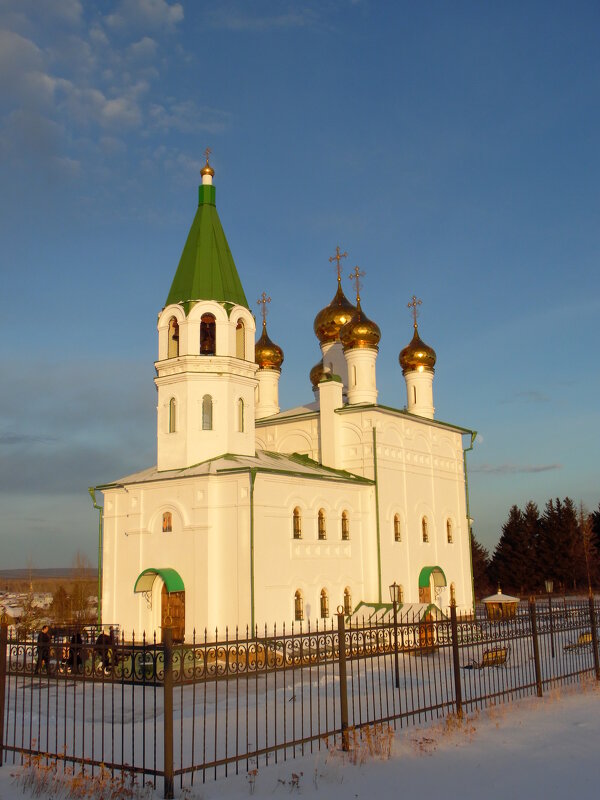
[104, 648]
[75, 662]
[43, 649]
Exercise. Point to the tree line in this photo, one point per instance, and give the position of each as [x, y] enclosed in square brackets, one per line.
[561, 544]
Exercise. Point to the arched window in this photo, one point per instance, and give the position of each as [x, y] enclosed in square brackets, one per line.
[322, 528]
[240, 340]
[167, 523]
[449, 532]
[345, 526]
[324, 604]
[452, 594]
[397, 528]
[347, 601]
[400, 593]
[172, 415]
[173, 346]
[240, 415]
[353, 375]
[425, 529]
[297, 523]
[298, 606]
[414, 394]
[207, 413]
[208, 336]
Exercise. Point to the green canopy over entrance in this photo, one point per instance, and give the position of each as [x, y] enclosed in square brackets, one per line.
[439, 579]
[170, 578]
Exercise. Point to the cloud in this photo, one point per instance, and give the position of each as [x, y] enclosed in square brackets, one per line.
[144, 49]
[12, 439]
[529, 396]
[514, 469]
[25, 134]
[235, 20]
[187, 117]
[157, 14]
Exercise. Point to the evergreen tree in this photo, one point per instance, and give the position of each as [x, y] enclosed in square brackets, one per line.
[507, 569]
[481, 561]
[560, 552]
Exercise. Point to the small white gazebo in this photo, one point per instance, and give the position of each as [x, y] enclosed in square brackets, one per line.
[500, 606]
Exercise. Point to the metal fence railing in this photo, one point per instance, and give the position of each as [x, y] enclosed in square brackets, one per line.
[221, 704]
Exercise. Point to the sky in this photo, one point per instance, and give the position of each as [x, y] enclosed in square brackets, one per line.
[450, 149]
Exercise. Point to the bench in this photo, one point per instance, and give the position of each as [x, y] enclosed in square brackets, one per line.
[494, 657]
[584, 640]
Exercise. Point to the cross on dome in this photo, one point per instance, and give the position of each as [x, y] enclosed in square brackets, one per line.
[355, 276]
[262, 301]
[337, 258]
[414, 303]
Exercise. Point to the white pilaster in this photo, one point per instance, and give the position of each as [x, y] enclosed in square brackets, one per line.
[330, 398]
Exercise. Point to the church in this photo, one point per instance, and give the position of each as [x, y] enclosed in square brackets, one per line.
[255, 515]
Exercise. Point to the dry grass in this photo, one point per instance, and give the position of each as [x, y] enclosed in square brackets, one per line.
[360, 745]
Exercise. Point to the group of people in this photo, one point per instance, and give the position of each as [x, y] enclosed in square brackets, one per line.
[73, 653]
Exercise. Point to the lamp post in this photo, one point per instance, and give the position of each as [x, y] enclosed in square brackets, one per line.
[395, 598]
[549, 589]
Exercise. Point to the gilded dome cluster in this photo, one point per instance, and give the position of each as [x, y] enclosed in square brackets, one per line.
[267, 354]
[417, 356]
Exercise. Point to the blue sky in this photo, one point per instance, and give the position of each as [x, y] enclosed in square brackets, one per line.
[451, 149]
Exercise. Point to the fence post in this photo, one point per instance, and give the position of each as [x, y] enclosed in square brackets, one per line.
[594, 640]
[3, 645]
[456, 659]
[536, 647]
[168, 713]
[341, 626]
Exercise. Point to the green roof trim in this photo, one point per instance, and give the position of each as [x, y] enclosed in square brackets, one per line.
[439, 578]
[169, 576]
[206, 268]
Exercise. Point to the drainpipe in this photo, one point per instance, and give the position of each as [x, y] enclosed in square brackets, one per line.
[377, 514]
[252, 480]
[92, 491]
[465, 451]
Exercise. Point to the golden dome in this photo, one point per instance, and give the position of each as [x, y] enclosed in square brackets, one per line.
[316, 373]
[330, 319]
[207, 170]
[267, 354]
[417, 355]
[360, 331]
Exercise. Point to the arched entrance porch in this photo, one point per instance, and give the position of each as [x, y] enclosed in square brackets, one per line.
[428, 577]
[171, 598]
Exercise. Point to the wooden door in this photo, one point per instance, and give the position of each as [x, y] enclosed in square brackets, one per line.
[173, 613]
[424, 594]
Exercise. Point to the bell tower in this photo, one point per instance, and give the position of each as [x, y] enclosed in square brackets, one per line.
[205, 373]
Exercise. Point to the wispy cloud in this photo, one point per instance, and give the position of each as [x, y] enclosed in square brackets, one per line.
[514, 469]
[156, 14]
[528, 396]
[235, 20]
[24, 439]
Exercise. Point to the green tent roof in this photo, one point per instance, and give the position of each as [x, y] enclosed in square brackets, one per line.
[171, 579]
[206, 268]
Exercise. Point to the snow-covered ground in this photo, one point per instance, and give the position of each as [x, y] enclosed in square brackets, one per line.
[536, 748]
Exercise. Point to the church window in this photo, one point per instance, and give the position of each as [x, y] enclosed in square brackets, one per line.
[353, 376]
[425, 529]
[167, 522]
[208, 337]
[397, 528]
[345, 526]
[173, 346]
[240, 415]
[324, 604]
[240, 340]
[449, 531]
[298, 606]
[414, 394]
[297, 523]
[347, 601]
[207, 413]
[172, 415]
[322, 527]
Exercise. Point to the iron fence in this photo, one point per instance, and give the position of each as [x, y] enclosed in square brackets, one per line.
[223, 703]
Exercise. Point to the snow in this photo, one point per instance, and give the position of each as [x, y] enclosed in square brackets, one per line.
[546, 748]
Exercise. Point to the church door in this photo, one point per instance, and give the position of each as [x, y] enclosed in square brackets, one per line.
[173, 613]
[424, 594]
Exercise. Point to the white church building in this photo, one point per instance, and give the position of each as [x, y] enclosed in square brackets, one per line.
[255, 515]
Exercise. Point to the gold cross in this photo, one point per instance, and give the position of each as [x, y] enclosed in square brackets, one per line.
[356, 276]
[262, 301]
[337, 258]
[207, 152]
[414, 304]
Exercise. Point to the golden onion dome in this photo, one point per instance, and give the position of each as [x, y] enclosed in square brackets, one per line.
[331, 318]
[207, 170]
[267, 354]
[317, 373]
[417, 355]
[360, 331]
